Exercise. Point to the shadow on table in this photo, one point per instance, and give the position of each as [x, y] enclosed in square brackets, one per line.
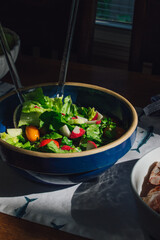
[107, 204]
[14, 184]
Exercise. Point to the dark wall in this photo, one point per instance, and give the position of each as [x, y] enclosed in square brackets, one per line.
[38, 23]
[43, 24]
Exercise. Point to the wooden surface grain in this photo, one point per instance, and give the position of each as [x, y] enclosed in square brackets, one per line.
[136, 87]
[12, 228]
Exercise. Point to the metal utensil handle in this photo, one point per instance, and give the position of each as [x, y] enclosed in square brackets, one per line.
[10, 62]
[67, 48]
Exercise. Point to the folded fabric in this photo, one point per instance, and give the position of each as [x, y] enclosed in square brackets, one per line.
[5, 88]
[154, 106]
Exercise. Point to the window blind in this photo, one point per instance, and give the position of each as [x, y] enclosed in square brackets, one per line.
[115, 12]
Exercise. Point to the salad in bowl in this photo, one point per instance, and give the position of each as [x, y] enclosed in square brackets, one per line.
[57, 125]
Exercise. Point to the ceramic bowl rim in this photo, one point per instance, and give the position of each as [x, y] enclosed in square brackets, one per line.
[113, 144]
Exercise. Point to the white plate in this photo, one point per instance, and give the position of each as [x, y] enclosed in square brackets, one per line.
[149, 219]
[141, 168]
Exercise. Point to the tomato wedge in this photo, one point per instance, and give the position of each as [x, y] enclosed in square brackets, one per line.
[46, 141]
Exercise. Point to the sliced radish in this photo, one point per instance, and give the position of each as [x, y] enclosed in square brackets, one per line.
[77, 132]
[76, 121]
[91, 145]
[65, 131]
[95, 117]
[84, 119]
[66, 147]
[36, 106]
[98, 121]
[74, 117]
[100, 116]
[92, 122]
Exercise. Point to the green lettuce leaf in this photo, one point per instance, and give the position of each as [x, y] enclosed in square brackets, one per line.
[67, 105]
[53, 135]
[67, 141]
[52, 147]
[52, 120]
[83, 112]
[57, 104]
[35, 95]
[93, 133]
[9, 139]
[26, 145]
[32, 106]
[91, 113]
[18, 141]
[31, 118]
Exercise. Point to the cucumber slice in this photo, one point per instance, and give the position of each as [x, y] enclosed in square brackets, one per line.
[76, 121]
[14, 132]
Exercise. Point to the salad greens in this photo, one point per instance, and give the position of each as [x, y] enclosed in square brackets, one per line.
[57, 125]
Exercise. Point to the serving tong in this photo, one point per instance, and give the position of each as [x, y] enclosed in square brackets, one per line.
[65, 58]
[11, 64]
[67, 48]
[64, 64]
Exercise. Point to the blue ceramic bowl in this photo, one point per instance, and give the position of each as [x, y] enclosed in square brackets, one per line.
[105, 101]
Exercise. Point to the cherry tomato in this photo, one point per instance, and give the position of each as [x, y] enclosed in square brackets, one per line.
[46, 141]
[32, 133]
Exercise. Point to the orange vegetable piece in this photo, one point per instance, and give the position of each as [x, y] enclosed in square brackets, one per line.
[32, 133]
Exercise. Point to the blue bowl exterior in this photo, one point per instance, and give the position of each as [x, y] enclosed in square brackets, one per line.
[68, 165]
[105, 103]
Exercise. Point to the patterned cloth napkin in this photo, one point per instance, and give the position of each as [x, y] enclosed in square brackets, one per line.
[103, 208]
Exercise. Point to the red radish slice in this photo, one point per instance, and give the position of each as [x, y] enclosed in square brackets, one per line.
[66, 147]
[98, 121]
[84, 119]
[91, 145]
[77, 132]
[100, 116]
[36, 106]
[76, 121]
[92, 122]
[65, 131]
[95, 117]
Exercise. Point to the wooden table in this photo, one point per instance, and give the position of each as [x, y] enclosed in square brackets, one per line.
[136, 87]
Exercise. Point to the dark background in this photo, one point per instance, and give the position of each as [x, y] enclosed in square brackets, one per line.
[42, 24]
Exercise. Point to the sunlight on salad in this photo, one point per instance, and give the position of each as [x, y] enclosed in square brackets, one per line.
[57, 125]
